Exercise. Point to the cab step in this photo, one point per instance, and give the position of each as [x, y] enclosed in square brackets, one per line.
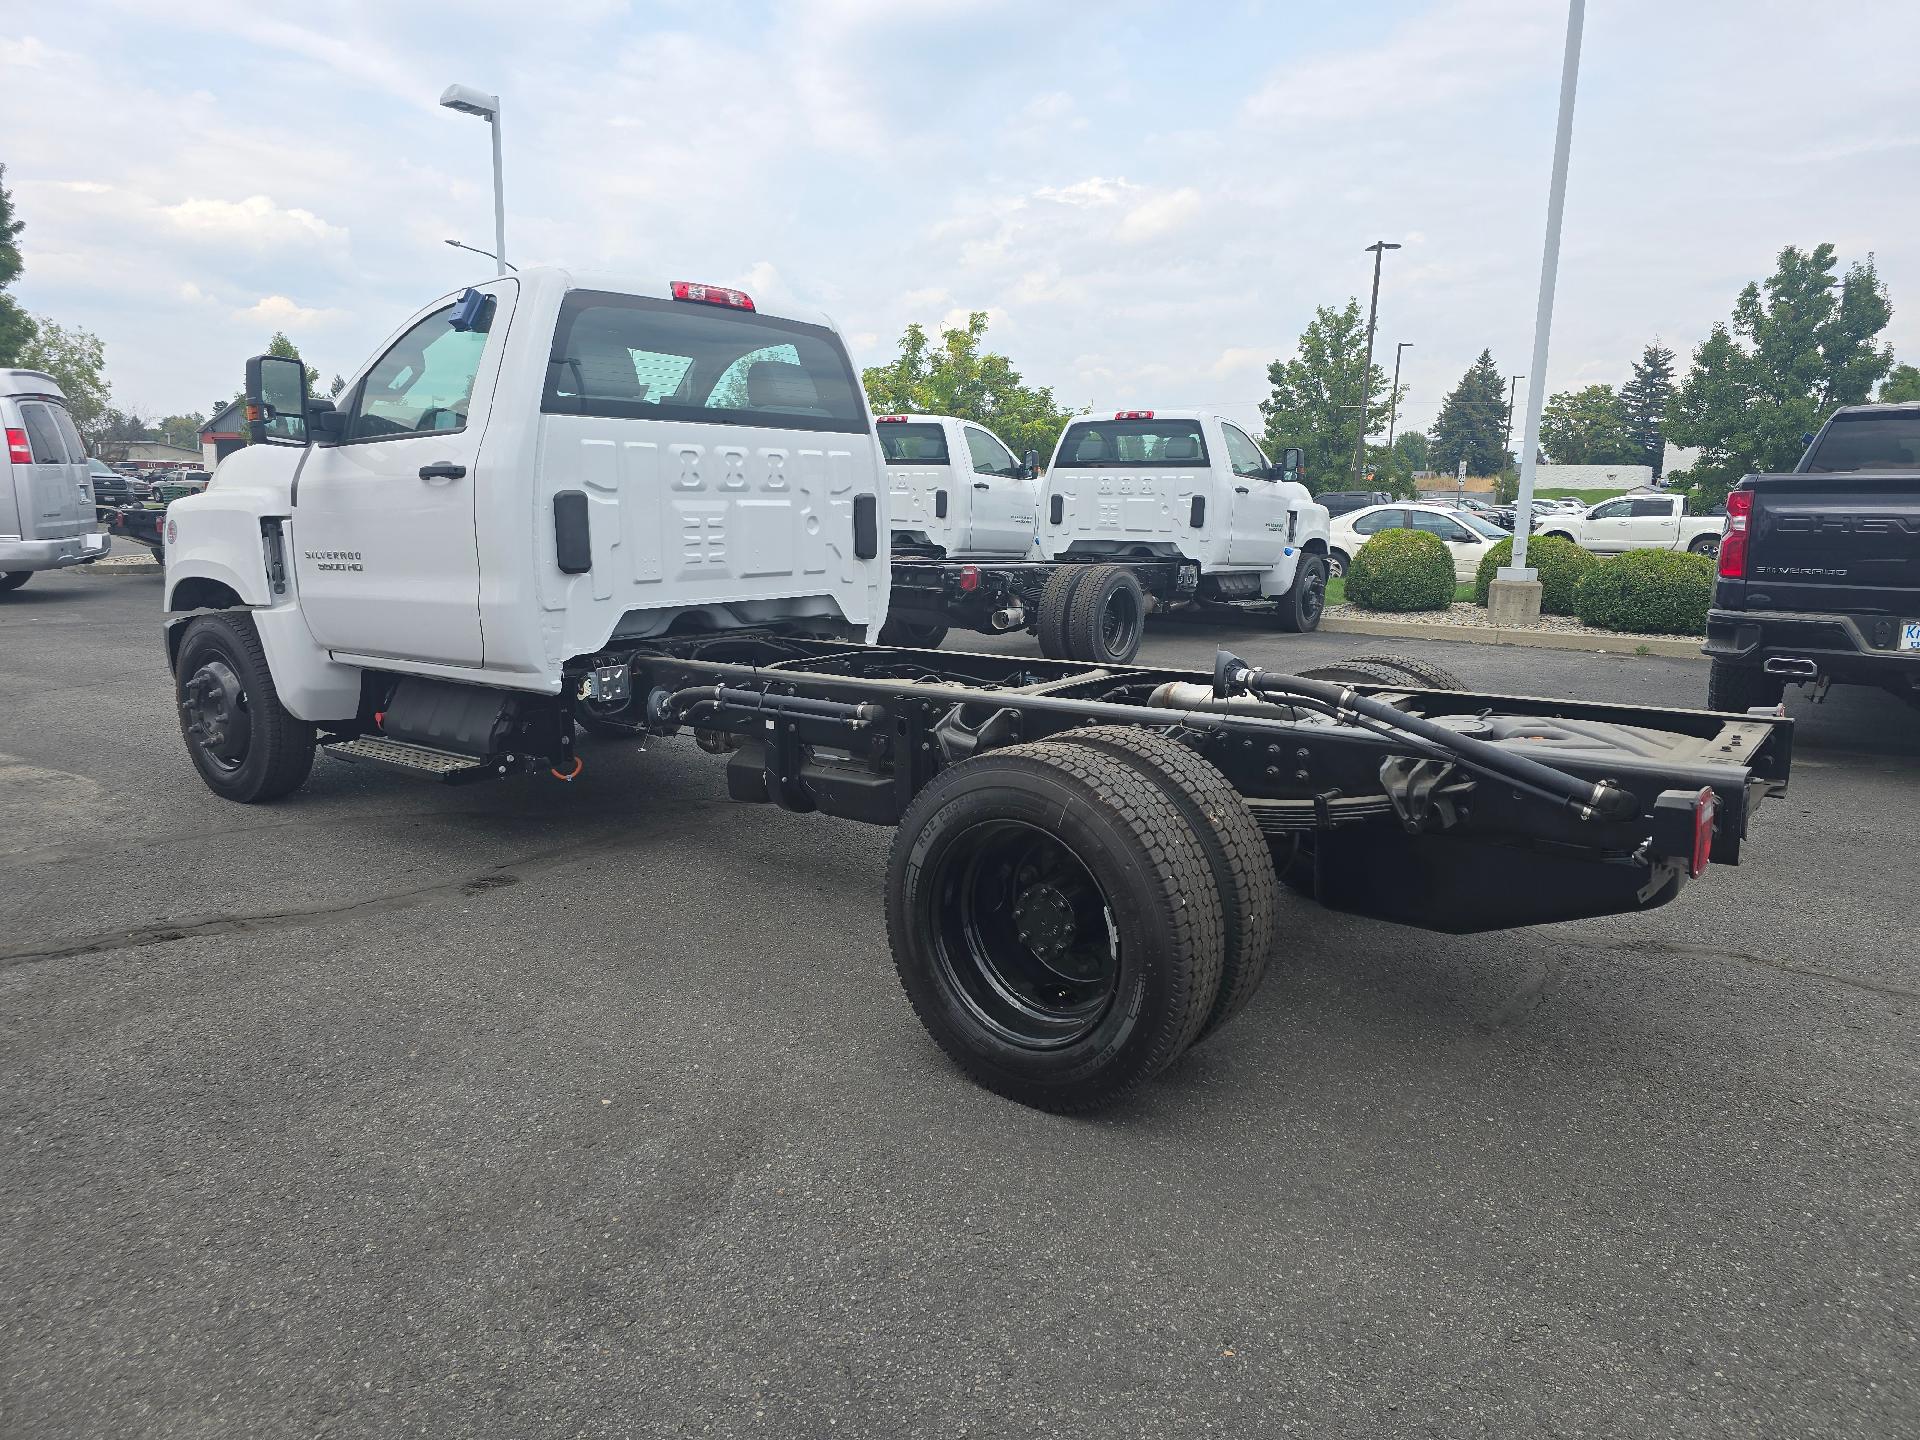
[403, 755]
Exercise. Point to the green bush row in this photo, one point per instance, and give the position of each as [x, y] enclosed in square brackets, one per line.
[1648, 592]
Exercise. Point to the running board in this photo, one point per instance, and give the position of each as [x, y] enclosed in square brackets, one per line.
[443, 765]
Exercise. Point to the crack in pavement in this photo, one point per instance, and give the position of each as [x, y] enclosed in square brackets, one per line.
[1711, 952]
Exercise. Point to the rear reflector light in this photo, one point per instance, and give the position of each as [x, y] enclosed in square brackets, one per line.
[1133, 414]
[891, 420]
[712, 295]
[18, 451]
[1705, 808]
[1733, 536]
[969, 578]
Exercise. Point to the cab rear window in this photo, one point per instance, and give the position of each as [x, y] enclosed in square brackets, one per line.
[909, 443]
[637, 359]
[1889, 440]
[1131, 442]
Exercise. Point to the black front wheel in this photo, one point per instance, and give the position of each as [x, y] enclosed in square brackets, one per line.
[242, 740]
[1055, 923]
[1305, 602]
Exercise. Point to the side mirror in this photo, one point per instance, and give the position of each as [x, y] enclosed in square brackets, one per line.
[1291, 459]
[1032, 463]
[326, 422]
[276, 400]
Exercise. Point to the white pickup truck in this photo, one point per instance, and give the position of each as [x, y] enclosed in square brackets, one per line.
[557, 502]
[1638, 522]
[956, 490]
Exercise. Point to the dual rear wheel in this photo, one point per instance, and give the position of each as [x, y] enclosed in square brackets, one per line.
[1068, 917]
[1092, 613]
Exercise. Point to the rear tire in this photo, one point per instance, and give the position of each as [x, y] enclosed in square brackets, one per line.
[14, 579]
[909, 635]
[240, 737]
[1056, 603]
[1108, 617]
[1739, 688]
[1236, 850]
[1305, 602]
[1422, 672]
[1355, 672]
[1010, 883]
[1705, 545]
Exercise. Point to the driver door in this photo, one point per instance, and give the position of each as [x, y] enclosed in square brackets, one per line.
[1000, 500]
[1259, 523]
[1609, 526]
[383, 520]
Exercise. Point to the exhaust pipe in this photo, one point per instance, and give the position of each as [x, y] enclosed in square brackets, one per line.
[1793, 667]
[1011, 618]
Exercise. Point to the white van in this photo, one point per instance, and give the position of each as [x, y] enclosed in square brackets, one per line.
[46, 494]
[957, 491]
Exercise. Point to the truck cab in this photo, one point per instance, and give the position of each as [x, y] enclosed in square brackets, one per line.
[1186, 484]
[524, 471]
[957, 490]
[47, 517]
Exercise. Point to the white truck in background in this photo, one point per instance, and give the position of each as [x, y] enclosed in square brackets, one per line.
[955, 489]
[1648, 521]
[1144, 510]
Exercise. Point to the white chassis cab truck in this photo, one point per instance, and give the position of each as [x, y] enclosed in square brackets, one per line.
[1650, 521]
[558, 503]
[1148, 509]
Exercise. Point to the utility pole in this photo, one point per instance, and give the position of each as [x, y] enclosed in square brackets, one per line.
[1379, 248]
[1506, 435]
[1393, 405]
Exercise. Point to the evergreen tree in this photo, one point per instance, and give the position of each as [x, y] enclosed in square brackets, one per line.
[16, 326]
[1316, 397]
[1645, 398]
[1472, 423]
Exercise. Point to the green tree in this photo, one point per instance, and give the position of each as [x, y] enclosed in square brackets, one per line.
[1792, 352]
[336, 385]
[78, 360]
[953, 376]
[1315, 397]
[16, 326]
[1472, 423]
[283, 347]
[1587, 427]
[1645, 399]
[1412, 447]
[1902, 386]
[183, 430]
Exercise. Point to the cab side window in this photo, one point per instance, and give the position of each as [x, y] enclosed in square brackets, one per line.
[1380, 520]
[1612, 510]
[989, 456]
[423, 385]
[1243, 456]
[1656, 509]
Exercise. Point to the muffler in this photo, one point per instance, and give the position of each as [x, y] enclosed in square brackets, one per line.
[1793, 667]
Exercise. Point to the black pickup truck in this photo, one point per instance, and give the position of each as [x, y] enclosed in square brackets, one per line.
[1820, 569]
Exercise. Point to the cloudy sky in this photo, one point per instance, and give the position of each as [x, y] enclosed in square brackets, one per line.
[1150, 198]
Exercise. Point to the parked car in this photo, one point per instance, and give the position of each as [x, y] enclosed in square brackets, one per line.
[1343, 502]
[1644, 521]
[111, 488]
[1468, 537]
[47, 518]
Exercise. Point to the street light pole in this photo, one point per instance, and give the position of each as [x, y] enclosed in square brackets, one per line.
[1549, 273]
[1506, 435]
[1393, 401]
[469, 101]
[1379, 248]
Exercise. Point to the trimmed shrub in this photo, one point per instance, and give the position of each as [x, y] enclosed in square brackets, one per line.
[1561, 563]
[1402, 570]
[1648, 592]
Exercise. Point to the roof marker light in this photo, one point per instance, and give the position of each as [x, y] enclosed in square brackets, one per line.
[890, 420]
[1133, 414]
[712, 295]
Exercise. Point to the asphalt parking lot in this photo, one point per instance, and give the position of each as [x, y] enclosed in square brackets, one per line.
[537, 1109]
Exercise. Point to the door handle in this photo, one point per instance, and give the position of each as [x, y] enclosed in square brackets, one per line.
[981, 485]
[443, 470]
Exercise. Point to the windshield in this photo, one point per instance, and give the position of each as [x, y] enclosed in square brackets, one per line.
[100, 467]
[915, 443]
[1131, 442]
[1889, 440]
[636, 359]
[1479, 525]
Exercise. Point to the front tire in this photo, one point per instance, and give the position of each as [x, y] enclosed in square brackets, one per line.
[13, 579]
[1055, 923]
[1739, 688]
[1305, 602]
[241, 739]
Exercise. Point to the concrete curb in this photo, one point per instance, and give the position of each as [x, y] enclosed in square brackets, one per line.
[1678, 647]
[123, 565]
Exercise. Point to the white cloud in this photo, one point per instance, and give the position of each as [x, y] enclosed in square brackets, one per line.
[256, 222]
[1161, 214]
[280, 312]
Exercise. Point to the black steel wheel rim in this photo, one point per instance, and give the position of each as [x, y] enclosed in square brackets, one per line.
[1023, 935]
[1313, 596]
[1120, 620]
[213, 704]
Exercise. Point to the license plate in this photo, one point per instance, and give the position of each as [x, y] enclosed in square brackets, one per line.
[1910, 635]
